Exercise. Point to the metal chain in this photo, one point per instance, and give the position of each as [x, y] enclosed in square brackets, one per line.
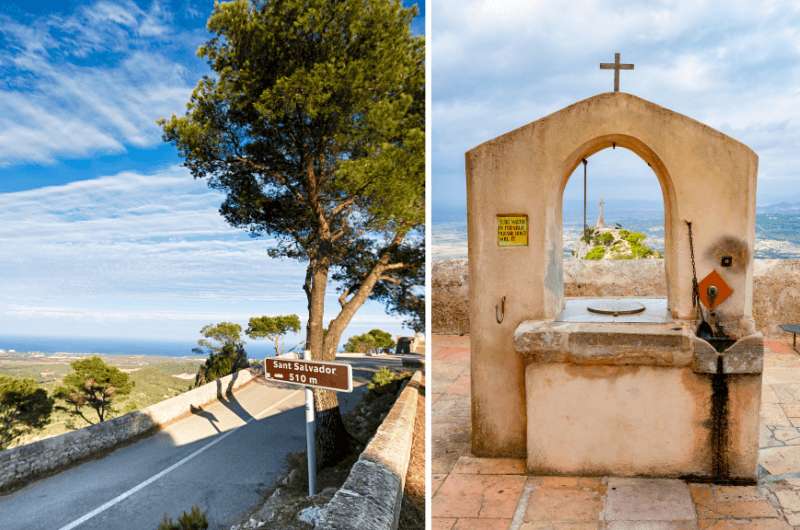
[695, 288]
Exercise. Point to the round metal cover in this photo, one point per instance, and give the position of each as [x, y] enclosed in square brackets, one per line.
[615, 307]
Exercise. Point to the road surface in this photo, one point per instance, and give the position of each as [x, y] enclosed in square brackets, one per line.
[221, 459]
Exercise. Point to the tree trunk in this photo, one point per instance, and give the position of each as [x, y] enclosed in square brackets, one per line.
[332, 440]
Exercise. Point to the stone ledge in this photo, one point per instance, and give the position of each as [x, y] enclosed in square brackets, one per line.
[548, 341]
[22, 464]
[371, 497]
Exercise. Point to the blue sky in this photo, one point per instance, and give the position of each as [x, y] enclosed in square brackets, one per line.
[732, 64]
[102, 232]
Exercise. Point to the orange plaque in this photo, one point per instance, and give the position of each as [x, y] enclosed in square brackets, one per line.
[714, 290]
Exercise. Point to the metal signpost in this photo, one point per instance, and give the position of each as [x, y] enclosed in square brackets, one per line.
[310, 374]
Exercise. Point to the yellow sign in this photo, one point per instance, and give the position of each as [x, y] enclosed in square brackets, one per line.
[512, 230]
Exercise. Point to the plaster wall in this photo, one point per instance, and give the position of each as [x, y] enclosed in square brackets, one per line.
[635, 421]
[706, 177]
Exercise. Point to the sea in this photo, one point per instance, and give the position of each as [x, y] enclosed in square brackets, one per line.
[777, 227]
[114, 346]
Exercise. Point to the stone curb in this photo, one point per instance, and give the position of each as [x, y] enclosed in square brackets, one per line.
[20, 465]
[372, 495]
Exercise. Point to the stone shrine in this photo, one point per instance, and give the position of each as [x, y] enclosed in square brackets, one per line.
[648, 393]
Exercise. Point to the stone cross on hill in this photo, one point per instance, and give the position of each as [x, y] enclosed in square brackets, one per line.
[616, 66]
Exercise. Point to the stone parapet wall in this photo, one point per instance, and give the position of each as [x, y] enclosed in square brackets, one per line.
[24, 463]
[776, 289]
[372, 495]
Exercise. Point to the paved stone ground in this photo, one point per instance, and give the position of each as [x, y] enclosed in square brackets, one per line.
[471, 492]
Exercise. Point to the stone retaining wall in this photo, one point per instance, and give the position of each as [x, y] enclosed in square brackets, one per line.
[21, 464]
[372, 495]
[776, 289]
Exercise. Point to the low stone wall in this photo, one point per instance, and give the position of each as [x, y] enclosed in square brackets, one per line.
[372, 495]
[26, 462]
[776, 289]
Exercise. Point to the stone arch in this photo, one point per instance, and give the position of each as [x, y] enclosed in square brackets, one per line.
[649, 157]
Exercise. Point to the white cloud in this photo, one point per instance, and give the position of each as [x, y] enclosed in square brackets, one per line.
[139, 255]
[734, 65]
[91, 82]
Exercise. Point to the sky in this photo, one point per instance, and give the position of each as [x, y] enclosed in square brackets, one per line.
[732, 64]
[102, 232]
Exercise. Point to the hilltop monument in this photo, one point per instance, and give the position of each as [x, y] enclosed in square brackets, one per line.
[671, 389]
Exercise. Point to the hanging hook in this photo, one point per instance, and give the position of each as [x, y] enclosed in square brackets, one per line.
[502, 314]
[613, 145]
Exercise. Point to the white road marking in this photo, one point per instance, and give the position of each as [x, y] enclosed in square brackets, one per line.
[121, 497]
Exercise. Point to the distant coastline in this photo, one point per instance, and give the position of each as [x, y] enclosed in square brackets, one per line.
[777, 228]
[77, 346]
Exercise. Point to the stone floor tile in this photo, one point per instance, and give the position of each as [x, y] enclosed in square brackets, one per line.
[780, 460]
[743, 524]
[472, 496]
[786, 435]
[792, 410]
[650, 525]
[789, 499]
[545, 525]
[636, 499]
[442, 523]
[482, 524]
[490, 466]
[587, 483]
[436, 480]
[719, 502]
[772, 414]
[564, 505]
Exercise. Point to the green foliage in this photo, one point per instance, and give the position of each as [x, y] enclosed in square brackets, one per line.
[215, 336]
[604, 238]
[94, 384]
[222, 343]
[192, 520]
[384, 377]
[373, 340]
[588, 234]
[23, 407]
[634, 238]
[273, 328]
[596, 253]
[313, 127]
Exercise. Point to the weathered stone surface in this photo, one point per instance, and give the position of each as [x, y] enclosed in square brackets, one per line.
[372, 495]
[607, 344]
[449, 295]
[637, 499]
[776, 289]
[20, 464]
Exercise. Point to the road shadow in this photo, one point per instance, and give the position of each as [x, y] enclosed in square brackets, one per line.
[212, 419]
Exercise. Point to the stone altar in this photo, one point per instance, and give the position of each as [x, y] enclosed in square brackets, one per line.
[617, 397]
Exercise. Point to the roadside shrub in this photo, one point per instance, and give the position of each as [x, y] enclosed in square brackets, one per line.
[384, 377]
[192, 520]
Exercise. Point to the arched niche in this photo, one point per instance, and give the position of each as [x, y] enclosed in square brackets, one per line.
[648, 156]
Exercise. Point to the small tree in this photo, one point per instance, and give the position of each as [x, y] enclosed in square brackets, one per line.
[24, 406]
[375, 339]
[94, 384]
[273, 328]
[222, 344]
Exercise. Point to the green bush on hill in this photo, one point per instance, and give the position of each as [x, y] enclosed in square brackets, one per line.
[596, 253]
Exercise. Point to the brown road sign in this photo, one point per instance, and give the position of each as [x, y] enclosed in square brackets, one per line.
[317, 374]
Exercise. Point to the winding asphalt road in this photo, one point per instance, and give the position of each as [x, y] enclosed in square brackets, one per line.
[221, 459]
